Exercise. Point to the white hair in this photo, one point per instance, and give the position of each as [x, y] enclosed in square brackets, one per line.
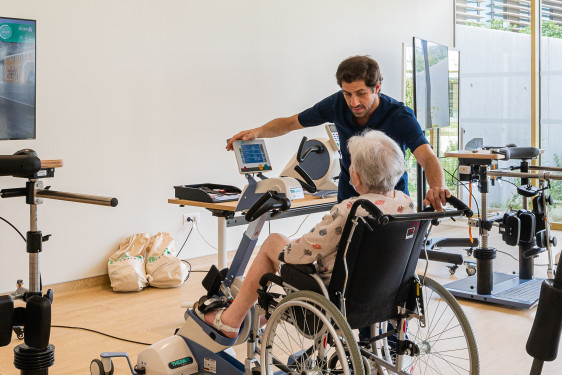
[378, 159]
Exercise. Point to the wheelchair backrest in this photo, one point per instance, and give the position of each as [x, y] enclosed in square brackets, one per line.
[381, 266]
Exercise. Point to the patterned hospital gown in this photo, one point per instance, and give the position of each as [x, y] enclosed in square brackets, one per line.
[320, 245]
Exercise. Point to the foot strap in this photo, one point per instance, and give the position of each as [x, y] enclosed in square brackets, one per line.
[217, 322]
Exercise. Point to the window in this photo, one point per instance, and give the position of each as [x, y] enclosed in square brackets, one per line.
[551, 90]
[503, 28]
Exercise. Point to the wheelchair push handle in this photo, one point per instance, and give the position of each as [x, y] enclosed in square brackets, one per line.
[460, 206]
[368, 206]
[461, 209]
[264, 204]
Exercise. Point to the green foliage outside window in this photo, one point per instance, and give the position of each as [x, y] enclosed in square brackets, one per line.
[548, 28]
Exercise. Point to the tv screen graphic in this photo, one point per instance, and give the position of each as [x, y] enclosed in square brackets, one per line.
[17, 78]
[431, 84]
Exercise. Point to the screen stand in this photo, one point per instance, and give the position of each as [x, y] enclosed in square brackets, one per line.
[249, 196]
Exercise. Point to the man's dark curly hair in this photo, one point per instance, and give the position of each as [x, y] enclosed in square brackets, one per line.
[359, 68]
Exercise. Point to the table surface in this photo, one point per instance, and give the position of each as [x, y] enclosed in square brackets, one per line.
[468, 154]
[53, 163]
[309, 200]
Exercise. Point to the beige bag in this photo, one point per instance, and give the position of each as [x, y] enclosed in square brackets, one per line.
[163, 268]
[126, 266]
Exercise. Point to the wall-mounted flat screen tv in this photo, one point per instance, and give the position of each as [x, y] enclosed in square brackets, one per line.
[431, 84]
[17, 78]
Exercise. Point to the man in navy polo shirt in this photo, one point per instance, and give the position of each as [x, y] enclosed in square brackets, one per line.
[358, 106]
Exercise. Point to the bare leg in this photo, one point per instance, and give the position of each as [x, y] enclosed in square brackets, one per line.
[265, 262]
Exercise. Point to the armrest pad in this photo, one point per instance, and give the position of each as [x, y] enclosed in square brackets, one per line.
[305, 268]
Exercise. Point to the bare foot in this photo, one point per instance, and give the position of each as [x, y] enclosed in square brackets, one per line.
[210, 318]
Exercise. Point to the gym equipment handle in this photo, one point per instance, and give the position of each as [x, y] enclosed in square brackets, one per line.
[80, 198]
[262, 205]
[19, 165]
[301, 156]
[308, 184]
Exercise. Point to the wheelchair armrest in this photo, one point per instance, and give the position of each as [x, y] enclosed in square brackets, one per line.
[276, 279]
[306, 268]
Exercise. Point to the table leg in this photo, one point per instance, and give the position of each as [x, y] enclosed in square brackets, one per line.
[222, 243]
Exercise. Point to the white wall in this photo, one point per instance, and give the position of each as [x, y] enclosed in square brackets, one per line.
[139, 96]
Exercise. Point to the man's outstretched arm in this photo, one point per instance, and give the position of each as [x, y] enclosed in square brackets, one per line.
[274, 128]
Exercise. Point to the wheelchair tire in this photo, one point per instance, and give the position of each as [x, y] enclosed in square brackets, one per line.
[447, 343]
[304, 334]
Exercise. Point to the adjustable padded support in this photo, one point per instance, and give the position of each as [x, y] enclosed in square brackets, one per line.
[544, 338]
[6, 318]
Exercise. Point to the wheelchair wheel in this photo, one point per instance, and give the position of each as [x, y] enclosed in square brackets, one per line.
[306, 334]
[447, 344]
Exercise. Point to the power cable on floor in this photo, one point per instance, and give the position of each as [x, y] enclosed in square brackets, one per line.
[101, 333]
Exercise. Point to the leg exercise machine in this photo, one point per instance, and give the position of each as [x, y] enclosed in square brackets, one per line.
[317, 159]
[306, 333]
[527, 229]
[196, 348]
[32, 323]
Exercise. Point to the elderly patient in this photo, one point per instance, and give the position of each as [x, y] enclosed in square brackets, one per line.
[377, 163]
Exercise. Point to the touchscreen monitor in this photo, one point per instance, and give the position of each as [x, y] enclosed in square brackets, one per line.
[252, 156]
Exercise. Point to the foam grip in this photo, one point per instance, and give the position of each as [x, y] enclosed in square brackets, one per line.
[19, 165]
[6, 318]
[37, 327]
[521, 153]
[544, 338]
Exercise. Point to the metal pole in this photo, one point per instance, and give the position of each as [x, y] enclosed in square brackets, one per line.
[80, 198]
[34, 273]
[222, 263]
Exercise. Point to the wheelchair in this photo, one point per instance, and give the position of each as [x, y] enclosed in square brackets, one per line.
[416, 326]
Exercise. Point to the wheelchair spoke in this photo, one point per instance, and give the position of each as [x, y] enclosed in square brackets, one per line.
[303, 336]
[446, 343]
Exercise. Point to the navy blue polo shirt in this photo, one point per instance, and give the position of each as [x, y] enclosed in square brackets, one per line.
[391, 117]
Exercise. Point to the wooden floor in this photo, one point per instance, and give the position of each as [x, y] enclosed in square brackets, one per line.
[153, 314]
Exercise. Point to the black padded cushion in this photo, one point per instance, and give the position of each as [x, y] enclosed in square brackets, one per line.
[520, 153]
[381, 264]
[298, 276]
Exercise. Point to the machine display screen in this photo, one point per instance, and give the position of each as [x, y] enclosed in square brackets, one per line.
[17, 78]
[252, 156]
[252, 153]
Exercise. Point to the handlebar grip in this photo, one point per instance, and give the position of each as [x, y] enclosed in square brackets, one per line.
[19, 165]
[308, 183]
[371, 208]
[260, 207]
[459, 205]
[300, 157]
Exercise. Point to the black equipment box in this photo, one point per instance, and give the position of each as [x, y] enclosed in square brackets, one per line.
[211, 193]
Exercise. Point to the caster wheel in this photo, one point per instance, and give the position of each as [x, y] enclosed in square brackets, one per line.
[453, 269]
[96, 368]
[471, 271]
